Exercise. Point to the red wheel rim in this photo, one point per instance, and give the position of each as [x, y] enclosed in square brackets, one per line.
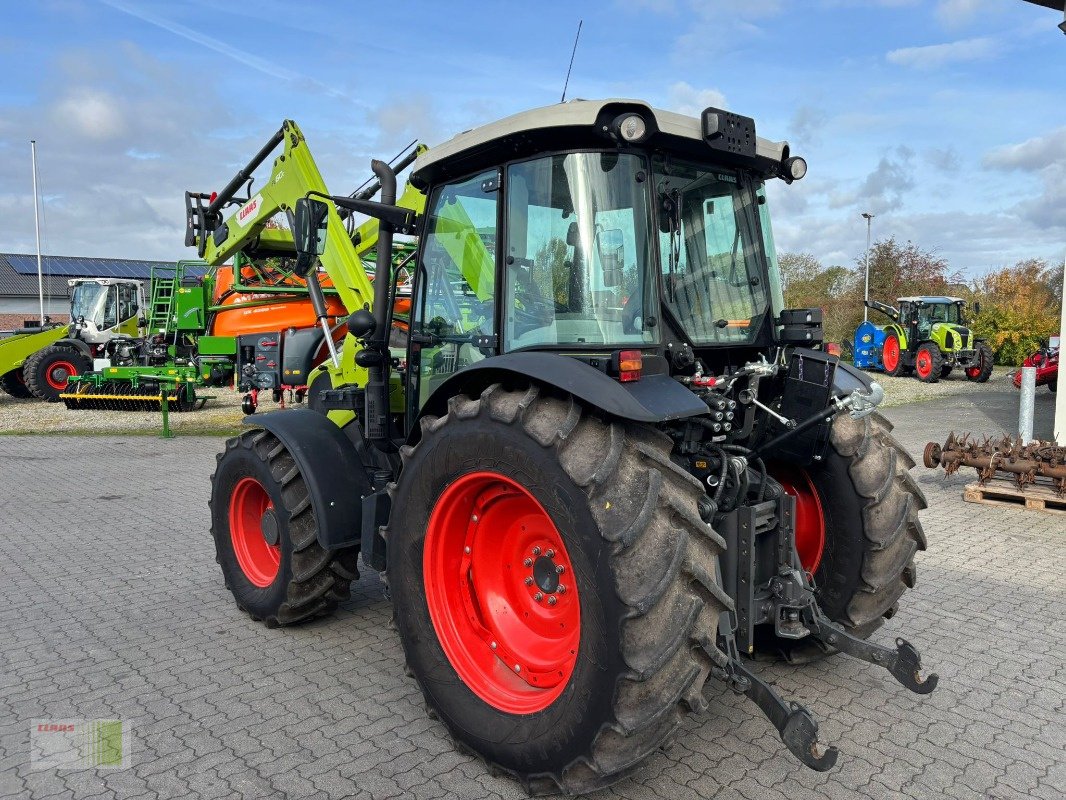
[890, 355]
[924, 363]
[58, 374]
[810, 518]
[259, 560]
[500, 591]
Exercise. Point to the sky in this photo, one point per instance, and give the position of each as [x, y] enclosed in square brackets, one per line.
[946, 119]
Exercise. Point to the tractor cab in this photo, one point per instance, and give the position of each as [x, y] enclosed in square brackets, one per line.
[598, 230]
[925, 312]
[105, 308]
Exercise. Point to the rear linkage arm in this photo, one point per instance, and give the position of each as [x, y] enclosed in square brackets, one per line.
[795, 724]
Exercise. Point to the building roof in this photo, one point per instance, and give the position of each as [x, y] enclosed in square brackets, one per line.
[18, 272]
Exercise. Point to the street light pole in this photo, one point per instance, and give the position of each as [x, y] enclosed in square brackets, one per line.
[866, 291]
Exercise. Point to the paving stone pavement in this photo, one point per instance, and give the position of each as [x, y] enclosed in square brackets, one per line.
[111, 606]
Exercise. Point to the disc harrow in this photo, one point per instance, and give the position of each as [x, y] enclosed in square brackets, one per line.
[123, 396]
[1008, 456]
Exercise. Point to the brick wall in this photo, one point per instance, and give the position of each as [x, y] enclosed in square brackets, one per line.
[10, 322]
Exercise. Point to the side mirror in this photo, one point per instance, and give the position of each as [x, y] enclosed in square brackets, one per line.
[309, 228]
[610, 244]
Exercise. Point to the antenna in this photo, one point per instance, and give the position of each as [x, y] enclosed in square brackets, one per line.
[573, 52]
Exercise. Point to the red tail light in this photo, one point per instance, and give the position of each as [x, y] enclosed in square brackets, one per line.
[630, 363]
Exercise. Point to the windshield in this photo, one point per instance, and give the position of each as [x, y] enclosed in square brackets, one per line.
[578, 250]
[712, 269]
[929, 315]
[96, 303]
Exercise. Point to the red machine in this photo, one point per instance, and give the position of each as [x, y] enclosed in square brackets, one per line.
[1046, 361]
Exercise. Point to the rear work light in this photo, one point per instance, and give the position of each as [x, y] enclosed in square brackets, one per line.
[629, 364]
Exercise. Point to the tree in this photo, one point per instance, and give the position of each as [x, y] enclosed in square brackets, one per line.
[1019, 308]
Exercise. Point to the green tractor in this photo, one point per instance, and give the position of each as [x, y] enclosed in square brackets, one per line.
[927, 336]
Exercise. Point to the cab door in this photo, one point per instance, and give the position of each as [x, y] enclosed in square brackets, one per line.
[453, 315]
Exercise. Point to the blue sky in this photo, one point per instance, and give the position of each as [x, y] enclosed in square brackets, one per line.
[946, 119]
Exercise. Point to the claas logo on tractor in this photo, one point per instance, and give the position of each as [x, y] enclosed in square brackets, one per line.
[574, 424]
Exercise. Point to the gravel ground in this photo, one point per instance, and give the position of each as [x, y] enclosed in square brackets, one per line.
[222, 414]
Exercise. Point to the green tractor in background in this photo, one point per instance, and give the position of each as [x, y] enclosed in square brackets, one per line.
[927, 336]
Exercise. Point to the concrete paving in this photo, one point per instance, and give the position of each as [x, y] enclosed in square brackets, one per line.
[111, 606]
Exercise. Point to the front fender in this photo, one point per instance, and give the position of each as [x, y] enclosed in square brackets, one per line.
[331, 468]
[653, 398]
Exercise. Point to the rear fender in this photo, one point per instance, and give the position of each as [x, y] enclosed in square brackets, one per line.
[331, 468]
[899, 333]
[653, 398]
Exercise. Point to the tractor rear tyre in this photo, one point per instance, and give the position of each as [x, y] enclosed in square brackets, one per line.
[554, 586]
[928, 362]
[981, 371]
[266, 539]
[14, 384]
[891, 357]
[48, 371]
[857, 530]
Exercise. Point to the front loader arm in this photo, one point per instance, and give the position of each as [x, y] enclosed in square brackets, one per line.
[294, 175]
[888, 311]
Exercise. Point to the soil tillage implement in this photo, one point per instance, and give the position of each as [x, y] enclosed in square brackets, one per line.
[927, 337]
[1004, 457]
[597, 462]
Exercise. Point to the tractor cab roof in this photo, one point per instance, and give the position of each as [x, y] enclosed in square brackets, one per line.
[593, 124]
[930, 299]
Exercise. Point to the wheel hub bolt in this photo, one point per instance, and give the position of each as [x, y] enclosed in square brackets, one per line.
[536, 551]
[538, 596]
[528, 562]
[553, 600]
[550, 553]
[473, 517]
[560, 569]
[517, 667]
[493, 645]
[529, 581]
[561, 589]
[466, 550]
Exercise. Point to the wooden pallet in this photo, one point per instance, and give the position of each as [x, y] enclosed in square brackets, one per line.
[1005, 493]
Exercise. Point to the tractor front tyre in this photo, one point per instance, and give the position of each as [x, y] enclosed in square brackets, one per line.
[266, 539]
[981, 370]
[14, 384]
[928, 363]
[555, 587]
[857, 530]
[48, 371]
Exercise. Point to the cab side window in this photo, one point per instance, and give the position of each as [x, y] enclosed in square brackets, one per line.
[456, 282]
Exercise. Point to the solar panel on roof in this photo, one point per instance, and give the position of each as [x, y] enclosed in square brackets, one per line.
[77, 267]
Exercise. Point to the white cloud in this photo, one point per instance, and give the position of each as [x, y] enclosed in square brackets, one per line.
[686, 99]
[938, 55]
[957, 13]
[1032, 154]
[91, 112]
